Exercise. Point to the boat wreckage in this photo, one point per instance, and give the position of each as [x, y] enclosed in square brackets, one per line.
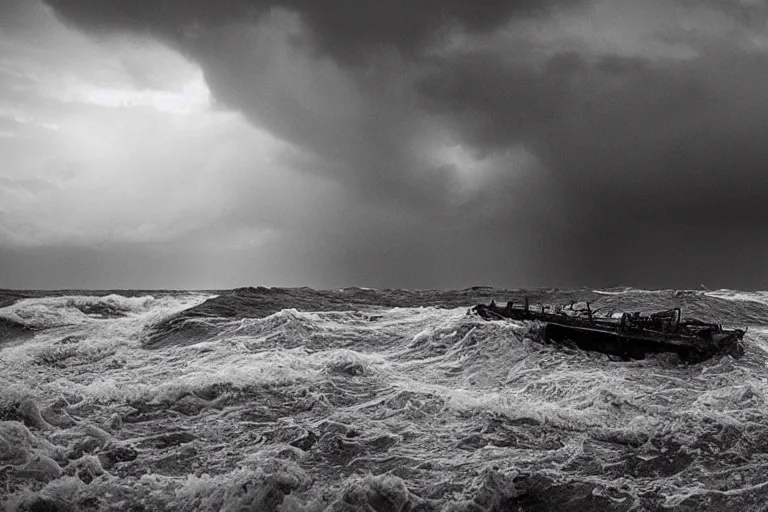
[630, 336]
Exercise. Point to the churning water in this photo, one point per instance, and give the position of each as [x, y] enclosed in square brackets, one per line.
[356, 404]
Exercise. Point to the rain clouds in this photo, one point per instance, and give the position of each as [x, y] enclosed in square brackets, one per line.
[513, 143]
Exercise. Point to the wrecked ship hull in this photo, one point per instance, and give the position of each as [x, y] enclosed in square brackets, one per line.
[690, 349]
[693, 342]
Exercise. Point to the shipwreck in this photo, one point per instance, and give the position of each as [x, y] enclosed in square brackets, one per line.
[629, 336]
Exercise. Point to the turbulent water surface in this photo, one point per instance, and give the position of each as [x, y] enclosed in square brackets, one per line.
[363, 400]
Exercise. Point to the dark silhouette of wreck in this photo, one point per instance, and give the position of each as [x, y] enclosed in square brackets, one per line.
[632, 336]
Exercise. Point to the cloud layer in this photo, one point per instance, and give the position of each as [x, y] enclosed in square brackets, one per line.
[444, 143]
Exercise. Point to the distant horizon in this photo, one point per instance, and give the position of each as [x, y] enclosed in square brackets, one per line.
[597, 288]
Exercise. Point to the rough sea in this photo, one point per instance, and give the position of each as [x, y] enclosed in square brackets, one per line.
[365, 400]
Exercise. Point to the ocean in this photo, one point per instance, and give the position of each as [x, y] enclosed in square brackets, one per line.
[368, 400]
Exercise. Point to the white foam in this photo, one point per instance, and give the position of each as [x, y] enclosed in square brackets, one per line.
[49, 312]
[761, 297]
[627, 291]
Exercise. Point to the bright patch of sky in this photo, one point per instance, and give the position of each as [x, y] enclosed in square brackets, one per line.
[116, 141]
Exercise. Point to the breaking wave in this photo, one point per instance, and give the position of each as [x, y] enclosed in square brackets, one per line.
[733, 295]
[72, 310]
[361, 400]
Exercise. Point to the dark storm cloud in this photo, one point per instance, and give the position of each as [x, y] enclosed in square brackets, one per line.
[647, 170]
[367, 149]
[346, 28]
[617, 123]
[653, 159]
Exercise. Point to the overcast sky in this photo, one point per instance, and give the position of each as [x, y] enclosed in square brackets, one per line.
[401, 143]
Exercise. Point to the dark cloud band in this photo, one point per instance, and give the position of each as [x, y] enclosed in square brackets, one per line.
[636, 156]
[348, 29]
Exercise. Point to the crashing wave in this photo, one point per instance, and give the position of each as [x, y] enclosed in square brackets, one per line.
[51, 312]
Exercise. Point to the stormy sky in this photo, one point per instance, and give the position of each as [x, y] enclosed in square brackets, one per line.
[401, 143]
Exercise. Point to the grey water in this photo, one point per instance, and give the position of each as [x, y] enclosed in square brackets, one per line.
[129, 402]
